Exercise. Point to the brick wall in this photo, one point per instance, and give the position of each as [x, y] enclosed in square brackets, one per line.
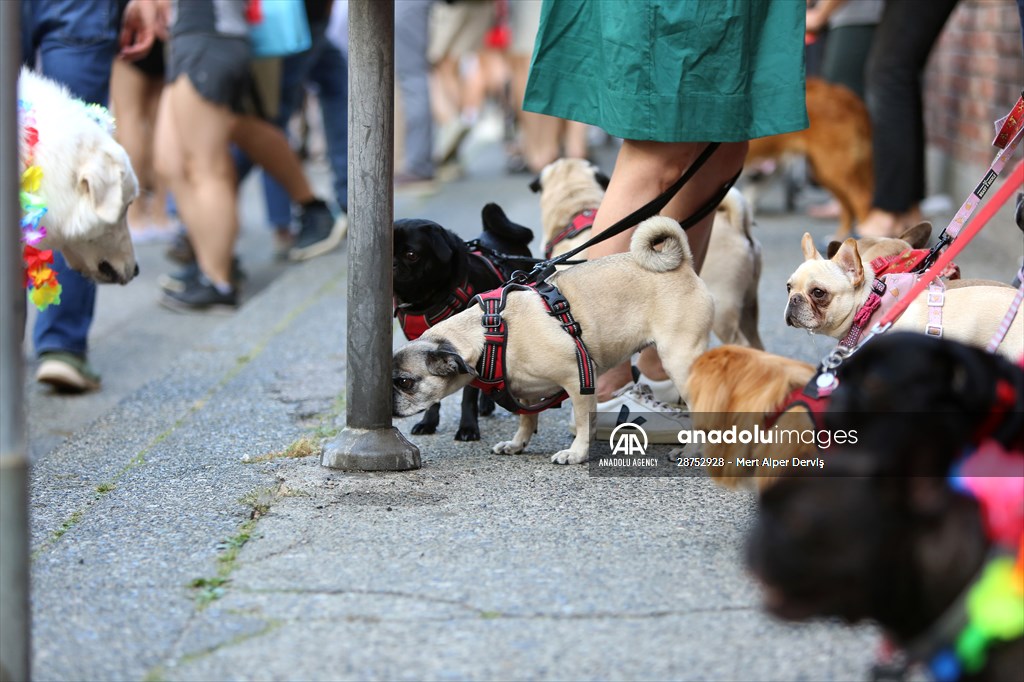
[975, 74]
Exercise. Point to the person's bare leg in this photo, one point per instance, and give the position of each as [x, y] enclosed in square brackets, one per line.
[158, 191]
[127, 93]
[268, 148]
[538, 134]
[204, 181]
[539, 139]
[643, 170]
[575, 139]
[445, 98]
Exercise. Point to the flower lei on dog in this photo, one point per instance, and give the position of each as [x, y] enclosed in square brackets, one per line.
[41, 279]
[995, 602]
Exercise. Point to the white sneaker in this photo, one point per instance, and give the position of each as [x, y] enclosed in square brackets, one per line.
[661, 421]
[663, 391]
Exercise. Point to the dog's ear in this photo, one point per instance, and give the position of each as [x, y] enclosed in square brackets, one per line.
[445, 362]
[100, 182]
[602, 179]
[807, 245]
[833, 246]
[535, 185]
[848, 258]
[441, 242]
[918, 235]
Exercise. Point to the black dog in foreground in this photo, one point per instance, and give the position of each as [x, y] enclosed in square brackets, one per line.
[436, 275]
[886, 535]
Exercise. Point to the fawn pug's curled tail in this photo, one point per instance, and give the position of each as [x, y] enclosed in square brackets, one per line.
[664, 232]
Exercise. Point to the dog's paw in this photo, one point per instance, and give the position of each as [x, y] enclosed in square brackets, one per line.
[568, 457]
[466, 433]
[421, 429]
[507, 447]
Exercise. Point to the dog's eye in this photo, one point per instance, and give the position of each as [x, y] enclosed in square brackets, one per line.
[789, 287]
[404, 383]
[818, 293]
[411, 256]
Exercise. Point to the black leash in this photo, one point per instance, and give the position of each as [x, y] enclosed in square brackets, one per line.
[544, 269]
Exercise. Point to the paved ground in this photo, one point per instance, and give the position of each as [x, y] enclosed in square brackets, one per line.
[174, 536]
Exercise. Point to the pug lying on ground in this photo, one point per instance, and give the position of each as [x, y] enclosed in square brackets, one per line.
[430, 264]
[885, 535]
[87, 179]
[570, 193]
[623, 302]
[826, 294]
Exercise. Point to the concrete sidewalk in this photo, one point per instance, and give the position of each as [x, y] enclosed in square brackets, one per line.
[188, 532]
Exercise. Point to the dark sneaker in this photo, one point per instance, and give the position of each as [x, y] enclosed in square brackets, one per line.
[66, 372]
[176, 281]
[318, 233]
[180, 249]
[199, 294]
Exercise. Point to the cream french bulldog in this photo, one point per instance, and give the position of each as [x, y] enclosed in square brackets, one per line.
[732, 265]
[623, 302]
[825, 295]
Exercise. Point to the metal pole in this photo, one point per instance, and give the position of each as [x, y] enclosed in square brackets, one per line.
[369, 442]
[15, 614]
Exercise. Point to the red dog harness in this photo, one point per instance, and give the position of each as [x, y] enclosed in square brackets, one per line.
[491, 366]
[580, 223]
[415, 322]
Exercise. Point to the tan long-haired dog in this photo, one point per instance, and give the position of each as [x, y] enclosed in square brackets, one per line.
[837, 145]
[734, 385]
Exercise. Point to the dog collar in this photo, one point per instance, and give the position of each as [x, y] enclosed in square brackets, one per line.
[491, 366]
[416, 321]
[990, 609]
[580, 223]
[909, 260]
[40, 279]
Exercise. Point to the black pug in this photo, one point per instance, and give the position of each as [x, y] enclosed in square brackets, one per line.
[884, 536]
[436, 274]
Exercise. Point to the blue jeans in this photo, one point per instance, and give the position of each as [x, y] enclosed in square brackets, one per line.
[324, 65]
[76, 41]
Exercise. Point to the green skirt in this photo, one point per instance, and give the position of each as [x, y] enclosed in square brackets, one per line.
[672, 70]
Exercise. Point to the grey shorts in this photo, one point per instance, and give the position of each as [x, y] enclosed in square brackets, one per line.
[218, 67]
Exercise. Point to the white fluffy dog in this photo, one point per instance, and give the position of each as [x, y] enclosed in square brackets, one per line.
[87, 179]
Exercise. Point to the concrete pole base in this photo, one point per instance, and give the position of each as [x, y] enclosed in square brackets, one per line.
[384, 449]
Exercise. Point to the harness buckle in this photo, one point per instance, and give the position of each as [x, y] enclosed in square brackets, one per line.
[573, 329]
[491, 320]
[559, 306]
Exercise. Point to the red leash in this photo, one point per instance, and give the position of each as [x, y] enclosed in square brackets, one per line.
[1010, 131]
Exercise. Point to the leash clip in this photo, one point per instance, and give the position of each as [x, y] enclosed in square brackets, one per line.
[835, 358]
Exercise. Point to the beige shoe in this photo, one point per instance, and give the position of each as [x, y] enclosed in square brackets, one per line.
[66, 373]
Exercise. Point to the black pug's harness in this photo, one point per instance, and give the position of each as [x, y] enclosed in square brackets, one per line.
[416, 321]
[491, 366]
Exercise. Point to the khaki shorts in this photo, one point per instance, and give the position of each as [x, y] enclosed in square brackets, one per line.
[458, 28]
